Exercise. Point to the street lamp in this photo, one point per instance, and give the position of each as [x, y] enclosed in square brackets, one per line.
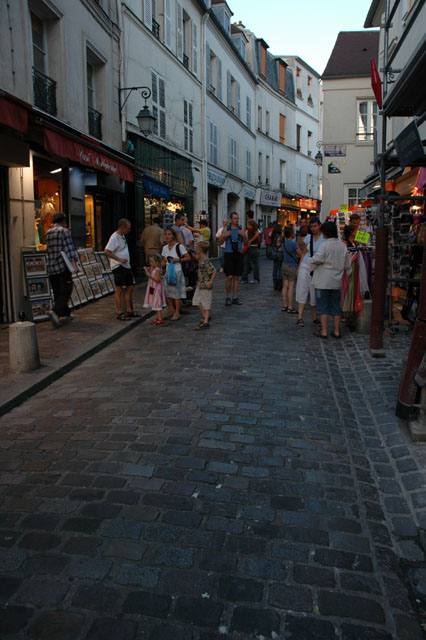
[145, 117]
[318, 157]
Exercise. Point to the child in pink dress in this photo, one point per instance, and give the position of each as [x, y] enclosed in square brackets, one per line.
[154, 296]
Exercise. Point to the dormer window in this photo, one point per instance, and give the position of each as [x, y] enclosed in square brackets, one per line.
[223, 13]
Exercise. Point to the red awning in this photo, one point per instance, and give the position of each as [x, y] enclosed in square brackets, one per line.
[13, 115]
[66, 148]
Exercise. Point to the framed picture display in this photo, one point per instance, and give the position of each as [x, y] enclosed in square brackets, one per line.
[84, 258]
[109, 283]
[89, 271]
[103, 286]
[80, 291]
[75, 300]
[38, 287]
[97, 269]
[91, 255]
[35, 264]
[104, 260]
[96, 289]
[86, 287]
[40, 308]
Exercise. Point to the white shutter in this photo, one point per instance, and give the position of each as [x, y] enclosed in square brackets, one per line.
[215, 143]
[154, 86]
[248, 112]
[161, 93]
[208, 70]
[168, 23]
[219, 79]
[185, 112]
[190, 114]
[238, 100]
[179, 31]
[229, 90]
[194, 48]
[147, 13]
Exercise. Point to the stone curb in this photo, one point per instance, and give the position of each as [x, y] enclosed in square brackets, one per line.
[51, 376]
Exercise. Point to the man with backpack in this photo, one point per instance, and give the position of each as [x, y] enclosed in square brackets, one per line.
[233, 237]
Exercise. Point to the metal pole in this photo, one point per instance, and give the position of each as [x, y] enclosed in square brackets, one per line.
[381, 257]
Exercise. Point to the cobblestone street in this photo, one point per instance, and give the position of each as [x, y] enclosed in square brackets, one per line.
[246, 481]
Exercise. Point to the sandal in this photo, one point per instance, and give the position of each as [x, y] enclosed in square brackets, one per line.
[284, 309]
[175, 317]
[335, 335]
[122, 316]
[319, 334]
[300, 323]
[316, 321]
[198, 325]
[133, 314]
[203, 325]
[292, 311]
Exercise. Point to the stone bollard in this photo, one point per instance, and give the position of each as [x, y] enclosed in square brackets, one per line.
[23, 347]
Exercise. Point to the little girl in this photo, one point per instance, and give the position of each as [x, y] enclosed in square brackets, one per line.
[154, 296]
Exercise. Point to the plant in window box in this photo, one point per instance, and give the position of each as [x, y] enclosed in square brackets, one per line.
[310, 101]
[299, 93]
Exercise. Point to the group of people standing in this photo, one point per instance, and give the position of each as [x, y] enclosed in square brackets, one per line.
[310, 267]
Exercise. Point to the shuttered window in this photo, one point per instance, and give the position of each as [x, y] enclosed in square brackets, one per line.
[147, 13]
[168, 23]
[213, 143]
[158, 104]
[194, 48]
[232, 159]
[282, 128]
[179, 31]
[187, 126]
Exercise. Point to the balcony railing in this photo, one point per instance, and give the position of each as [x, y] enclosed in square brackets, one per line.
[95, 123]
[156, 29]
[185, 61]
[44, 90]
[282, 186]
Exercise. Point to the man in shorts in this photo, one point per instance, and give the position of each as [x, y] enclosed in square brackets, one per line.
[117, 251]
[233, 237]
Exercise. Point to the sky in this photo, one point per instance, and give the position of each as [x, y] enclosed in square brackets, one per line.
[305, 28]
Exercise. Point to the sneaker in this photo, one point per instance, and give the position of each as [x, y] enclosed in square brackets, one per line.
[254, 281]
[54, 318]
[242, 281]
[228, 302]
[236, 301]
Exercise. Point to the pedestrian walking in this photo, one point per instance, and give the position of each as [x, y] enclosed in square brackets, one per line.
[304, 285]
[222, 245]
[251, 255]
[268, 242]
[277, 256]
[152, 239]
[329, 263]
[291, 256]
[117, 251]
[233, 237]
[203, 293]
[59, 242]
[155, 297]
[175, 253]
[203, 233]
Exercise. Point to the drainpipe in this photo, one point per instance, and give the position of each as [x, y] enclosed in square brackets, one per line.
[204, 191]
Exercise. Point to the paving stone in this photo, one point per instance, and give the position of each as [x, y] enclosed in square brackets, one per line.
[8, 586]
[96, 597]
[357, 582]
[354, 632]
[123, 529]
[307, 574]
[170, 632]
[111, 628]
[125, 550]
[147, 603]
[95, 568]
[56, 625]
[82, 525]
[256, 622]
[408, 628]
[42, 591]
[44, 564]
[217, 523]
[235, 589]
[308, 628]
[40, 541]
[343, 560]
[13, 618]
[174, 557]
[350, 606]
[201, 612]
[142, 576]
[191, 583]
[290, 597]
[261, 567]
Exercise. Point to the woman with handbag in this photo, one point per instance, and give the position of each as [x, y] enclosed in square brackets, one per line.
[291, 257]
[175, 287]
[277, 255]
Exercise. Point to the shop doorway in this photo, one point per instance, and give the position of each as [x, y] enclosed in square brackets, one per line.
[5, 306]
[99, 218]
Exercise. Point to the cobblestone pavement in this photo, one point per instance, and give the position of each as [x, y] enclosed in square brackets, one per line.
[246, 481]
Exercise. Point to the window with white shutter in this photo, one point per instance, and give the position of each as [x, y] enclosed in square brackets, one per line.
[238, 100]
[147, 13]
[219, 79]
[187, 126]
[229, 90]
[158, 104]
[208, 67]
[248, 165]
[179, 31]
[168, 23]
[213, 143]
[194, 48]
[248, 112]
[232, 160]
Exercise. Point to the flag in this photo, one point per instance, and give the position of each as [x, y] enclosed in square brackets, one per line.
[376, 83]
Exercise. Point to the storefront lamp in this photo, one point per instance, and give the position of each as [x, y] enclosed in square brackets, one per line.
[318, 159]
[145, 117]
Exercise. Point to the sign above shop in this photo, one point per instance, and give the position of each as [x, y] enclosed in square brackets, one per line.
[336, 150]
[409, 146]
[154, 188]
[67, 148]
[268, 198]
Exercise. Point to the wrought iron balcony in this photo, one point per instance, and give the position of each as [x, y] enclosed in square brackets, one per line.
[185, 61]
[44, 90]
[95, 123]
[156, 29]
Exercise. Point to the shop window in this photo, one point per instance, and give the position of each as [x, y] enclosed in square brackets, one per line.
[48, 197]
[353, 196]
[158, 104]
[187, 128]
[366, 119]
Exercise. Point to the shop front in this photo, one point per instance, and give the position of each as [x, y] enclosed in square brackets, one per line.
[288, 211]
[267, 202]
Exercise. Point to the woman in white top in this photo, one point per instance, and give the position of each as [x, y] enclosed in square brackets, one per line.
[328, 265]
[174, 293]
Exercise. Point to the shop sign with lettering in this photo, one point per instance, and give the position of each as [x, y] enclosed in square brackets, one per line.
[270, 198]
